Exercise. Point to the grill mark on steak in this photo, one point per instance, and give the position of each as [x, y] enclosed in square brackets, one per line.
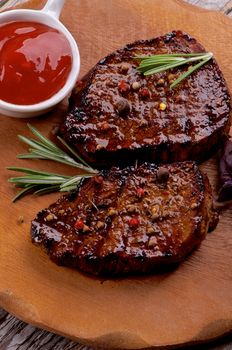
[129, 221]
[196, 117]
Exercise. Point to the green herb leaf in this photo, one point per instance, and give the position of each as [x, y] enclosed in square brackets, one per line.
[188, 72]
[71, 150]
[159, 63]
[45, 141]
[32, 171]
[23, 192]
[45, 149]
[41, 182]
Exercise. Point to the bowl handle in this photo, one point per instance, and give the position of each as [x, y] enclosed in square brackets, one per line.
[54, 7]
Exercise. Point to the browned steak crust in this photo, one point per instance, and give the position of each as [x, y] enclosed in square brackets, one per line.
[113, 122]
[132, 220]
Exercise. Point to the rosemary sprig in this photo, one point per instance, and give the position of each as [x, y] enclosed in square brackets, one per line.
[158, 63]
[43, 148]
[41, 182]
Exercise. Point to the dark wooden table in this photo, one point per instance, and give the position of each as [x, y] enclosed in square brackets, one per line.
[17, 335]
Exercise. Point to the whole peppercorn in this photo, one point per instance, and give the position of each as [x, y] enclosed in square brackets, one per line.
[124, 68]
[136, 85]
[160, 82]
[171, 77]
[162, 174]
[122, 107]
[134, 222]
[49, 217]
[144, 93]
[162, 106]
[79, 224]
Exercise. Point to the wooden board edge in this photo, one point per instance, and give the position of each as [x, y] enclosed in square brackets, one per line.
[38, 4]
[7, 305]
[29, 4]
[110, 341]
[27, 313]
[194, 8]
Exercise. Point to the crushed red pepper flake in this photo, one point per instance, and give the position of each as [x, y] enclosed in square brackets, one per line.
[144, 93]
[79, 224]
[140, 192]
[123, 86]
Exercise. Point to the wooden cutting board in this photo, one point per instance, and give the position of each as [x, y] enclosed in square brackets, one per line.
[191, 304]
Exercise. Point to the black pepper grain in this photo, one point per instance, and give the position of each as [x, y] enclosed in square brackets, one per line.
[162, 174]
[123, 107]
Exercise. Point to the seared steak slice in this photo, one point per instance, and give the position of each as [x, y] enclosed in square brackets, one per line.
[128, 221]
[117, 118]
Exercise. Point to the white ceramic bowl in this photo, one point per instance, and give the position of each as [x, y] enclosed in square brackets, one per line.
[49, 15]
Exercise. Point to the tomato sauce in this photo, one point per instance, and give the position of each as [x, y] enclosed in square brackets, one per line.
[35, 61]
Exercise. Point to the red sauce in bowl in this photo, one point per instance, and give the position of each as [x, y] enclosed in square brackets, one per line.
[35, 61]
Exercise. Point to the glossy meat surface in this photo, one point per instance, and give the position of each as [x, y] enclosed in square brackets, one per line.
[132, 220]
[116, 116]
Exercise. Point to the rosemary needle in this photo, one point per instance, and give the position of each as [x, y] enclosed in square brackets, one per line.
[41, 182]
[159, 63]
[46, 149]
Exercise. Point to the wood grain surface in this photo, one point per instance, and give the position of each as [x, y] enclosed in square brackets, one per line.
[205, 277]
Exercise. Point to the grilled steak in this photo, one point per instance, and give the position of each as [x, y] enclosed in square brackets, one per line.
[132, 220]
[116, 116]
